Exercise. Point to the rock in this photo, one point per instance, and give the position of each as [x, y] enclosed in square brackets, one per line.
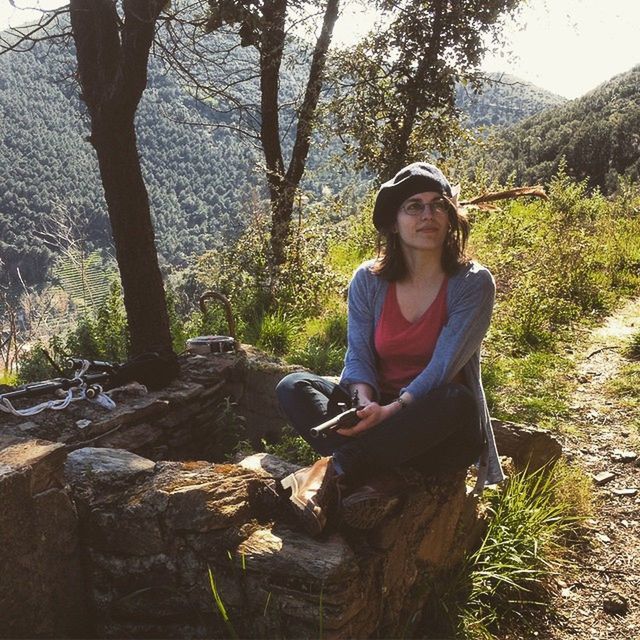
[603, 477]
[43, 459]
[269, 465]
[628, 491]
[27, 426]
[529, 447]
[623, 456]
[111, 467]
[42, 592]
[615, 604]
[154, 604]
[127, 391]
[602, 537]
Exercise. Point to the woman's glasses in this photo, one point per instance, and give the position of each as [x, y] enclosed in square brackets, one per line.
[417, 207]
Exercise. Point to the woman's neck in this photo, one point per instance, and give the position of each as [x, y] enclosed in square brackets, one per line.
[423, 266]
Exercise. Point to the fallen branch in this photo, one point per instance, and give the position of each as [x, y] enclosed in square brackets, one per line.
[593, 353]
[536, 191]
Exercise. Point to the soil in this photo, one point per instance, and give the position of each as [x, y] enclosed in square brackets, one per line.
[598, 593]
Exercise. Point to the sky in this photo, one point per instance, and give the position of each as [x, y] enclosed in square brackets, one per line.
[565, 46]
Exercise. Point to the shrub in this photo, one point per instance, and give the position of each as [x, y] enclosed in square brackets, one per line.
[277, 333]
[632, 349]
[319, 356]
[321, 348]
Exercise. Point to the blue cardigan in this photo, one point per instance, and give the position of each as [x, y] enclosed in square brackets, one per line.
[470, 296]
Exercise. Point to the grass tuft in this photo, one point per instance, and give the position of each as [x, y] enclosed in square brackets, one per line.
[632, 350]
[508, 578]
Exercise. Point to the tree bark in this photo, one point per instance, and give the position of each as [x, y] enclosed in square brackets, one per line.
[283, 186]
[112, 68]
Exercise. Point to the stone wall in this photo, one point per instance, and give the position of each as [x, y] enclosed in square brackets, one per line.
[152, 531]
[186, 420]
[122, 543]
[42, 592]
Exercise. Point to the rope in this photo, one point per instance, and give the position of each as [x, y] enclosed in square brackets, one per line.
[74, 394]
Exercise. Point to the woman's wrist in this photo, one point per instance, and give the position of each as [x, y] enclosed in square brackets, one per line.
[403, 401]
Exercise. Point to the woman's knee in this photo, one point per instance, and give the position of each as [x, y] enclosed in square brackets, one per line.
[288, 385]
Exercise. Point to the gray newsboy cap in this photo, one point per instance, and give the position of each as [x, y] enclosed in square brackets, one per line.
[414, 178]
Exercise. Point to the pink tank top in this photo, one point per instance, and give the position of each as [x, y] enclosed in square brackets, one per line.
[405, 348]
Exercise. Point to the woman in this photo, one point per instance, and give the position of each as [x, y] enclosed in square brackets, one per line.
[416, 319]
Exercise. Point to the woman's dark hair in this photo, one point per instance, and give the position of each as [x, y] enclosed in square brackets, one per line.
[390, 263]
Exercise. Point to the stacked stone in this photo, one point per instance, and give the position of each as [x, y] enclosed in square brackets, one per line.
[41, 583]
[152, 531]
[178, 422]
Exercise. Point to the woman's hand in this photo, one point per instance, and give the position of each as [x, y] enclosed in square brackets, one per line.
[370, 415]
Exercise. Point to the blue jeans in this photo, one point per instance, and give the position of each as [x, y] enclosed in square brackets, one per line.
[437, 433]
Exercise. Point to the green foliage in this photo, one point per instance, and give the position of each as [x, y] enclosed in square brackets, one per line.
[83, 278]
[35, 365]
[555, 262]
[358, 242]
[8, 379]
[292, 447]
[396, 95]
[501, 100]
[515, 561]
[101, 336]
[323, 343]
[220, 606]
[632, 349]
[198, 195]
[592, 133]
[304, 285]
[277, 333]
[625, 387]
[227, 430]
[532, 388]
[507, 579]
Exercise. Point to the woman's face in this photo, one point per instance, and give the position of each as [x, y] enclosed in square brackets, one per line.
[422, 222]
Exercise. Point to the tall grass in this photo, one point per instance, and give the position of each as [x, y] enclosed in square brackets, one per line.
[507, 579]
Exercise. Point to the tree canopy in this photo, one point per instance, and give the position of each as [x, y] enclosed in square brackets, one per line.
[395, 91]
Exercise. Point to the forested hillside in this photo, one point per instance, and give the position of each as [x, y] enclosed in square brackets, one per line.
[598, 135]
[503, 100]
[201, 180]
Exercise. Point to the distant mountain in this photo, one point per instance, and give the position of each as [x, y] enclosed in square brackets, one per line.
[598, 135]
[503, 100]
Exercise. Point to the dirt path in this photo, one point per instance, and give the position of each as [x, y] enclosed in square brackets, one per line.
[606, 575]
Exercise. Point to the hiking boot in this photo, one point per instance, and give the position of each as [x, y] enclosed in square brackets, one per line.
[366, 506]
[314, 493]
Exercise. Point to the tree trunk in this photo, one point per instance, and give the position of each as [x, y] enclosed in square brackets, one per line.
[130, 217]
[112, 68]
[283, 186]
